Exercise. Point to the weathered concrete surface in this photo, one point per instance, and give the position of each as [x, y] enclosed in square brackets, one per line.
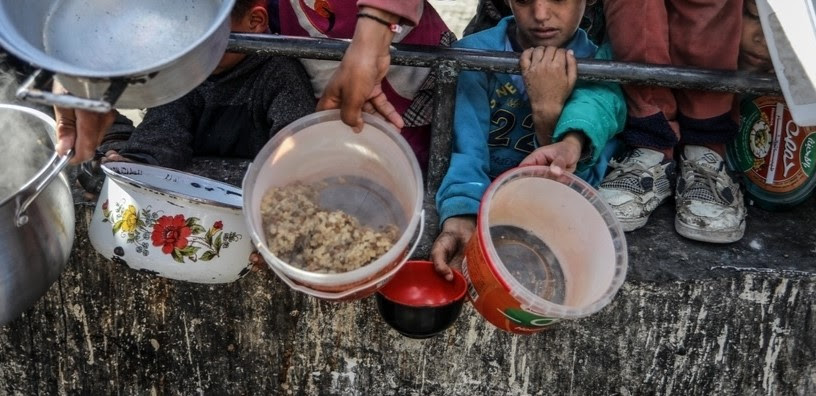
[691, 319]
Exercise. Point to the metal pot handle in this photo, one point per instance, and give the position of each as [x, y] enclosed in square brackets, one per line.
[34, 90]
[29, 194]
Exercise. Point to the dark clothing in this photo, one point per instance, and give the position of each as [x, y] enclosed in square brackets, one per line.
[488, 14]
[232, 114]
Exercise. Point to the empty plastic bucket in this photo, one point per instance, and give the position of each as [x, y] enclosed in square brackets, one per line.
[372, 175]
[545, 248]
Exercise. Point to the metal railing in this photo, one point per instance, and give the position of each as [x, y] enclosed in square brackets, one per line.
[507, 62]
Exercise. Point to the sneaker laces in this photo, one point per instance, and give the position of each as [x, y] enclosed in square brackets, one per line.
[625, 175]
[702, 182]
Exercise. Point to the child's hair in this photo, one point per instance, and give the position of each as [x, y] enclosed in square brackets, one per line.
[241, 7]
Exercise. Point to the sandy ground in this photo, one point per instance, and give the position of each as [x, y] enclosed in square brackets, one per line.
[456, 13]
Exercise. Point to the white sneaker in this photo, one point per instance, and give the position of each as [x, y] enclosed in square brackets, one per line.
[637, 185]
[710, 207]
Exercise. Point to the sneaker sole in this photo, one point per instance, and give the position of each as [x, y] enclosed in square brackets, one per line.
[629, 225]
[720, 236]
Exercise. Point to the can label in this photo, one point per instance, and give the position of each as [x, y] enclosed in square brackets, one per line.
[775, 153]
[492, 300]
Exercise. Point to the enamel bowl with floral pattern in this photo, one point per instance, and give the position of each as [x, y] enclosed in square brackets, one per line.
[170, 223]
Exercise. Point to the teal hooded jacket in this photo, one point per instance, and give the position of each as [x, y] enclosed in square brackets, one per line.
[493, 128]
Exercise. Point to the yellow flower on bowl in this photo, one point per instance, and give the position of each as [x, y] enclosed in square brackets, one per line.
[130, 219]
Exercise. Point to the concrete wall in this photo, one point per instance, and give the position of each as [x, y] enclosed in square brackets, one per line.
[691, 319]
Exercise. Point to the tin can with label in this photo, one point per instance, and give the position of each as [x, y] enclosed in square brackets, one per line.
[776, 157]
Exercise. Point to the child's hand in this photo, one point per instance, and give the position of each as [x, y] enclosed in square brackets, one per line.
[563, 155]
[257, 261]
[549, 75]
[355, 85]
[81, 130]
[449, 247]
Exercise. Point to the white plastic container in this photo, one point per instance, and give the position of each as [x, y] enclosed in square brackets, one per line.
[790, 31]
[372, 175]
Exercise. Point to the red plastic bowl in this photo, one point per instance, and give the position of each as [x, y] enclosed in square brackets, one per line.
[418, 302]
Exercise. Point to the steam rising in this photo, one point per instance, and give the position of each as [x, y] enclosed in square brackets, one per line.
[25, 146]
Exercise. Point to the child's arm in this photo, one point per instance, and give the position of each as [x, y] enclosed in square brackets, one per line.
[467, 177]
[596, 109]
[357, 81]
[164, 137]
[409, 11]
[458, 197]
[293, 98]
[549, 76]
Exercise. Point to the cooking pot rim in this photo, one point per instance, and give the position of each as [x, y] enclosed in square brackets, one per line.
[124, 180]
[40, 59]
[45, 167]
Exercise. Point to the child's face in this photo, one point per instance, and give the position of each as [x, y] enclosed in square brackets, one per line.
[753, 55]
[546, 23]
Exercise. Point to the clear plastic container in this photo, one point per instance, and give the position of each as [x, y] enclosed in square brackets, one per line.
[372, 175]
[546, 248]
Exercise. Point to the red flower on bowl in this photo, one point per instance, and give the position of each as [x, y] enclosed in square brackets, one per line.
[218, 225]
[171, 232]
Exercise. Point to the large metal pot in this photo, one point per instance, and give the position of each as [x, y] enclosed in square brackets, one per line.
[135, 54]
[36, 210]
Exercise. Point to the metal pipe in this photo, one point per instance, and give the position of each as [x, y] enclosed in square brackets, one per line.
[446, 72]
[507, 62]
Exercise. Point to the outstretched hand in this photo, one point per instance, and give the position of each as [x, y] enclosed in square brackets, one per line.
[561, 156]
[357, 82]
[448, 249]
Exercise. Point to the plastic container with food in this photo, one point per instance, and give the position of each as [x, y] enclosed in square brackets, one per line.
[372, 177]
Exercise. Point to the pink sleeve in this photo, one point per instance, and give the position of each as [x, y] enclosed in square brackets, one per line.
[409, 10]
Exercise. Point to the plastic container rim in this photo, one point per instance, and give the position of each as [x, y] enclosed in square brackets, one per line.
[528, 299]
[366, 272]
